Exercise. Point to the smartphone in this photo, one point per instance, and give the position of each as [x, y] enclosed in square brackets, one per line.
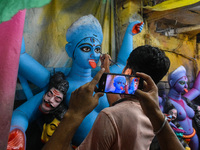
[119, 83]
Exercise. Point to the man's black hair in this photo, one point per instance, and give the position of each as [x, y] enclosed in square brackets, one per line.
[149, 60]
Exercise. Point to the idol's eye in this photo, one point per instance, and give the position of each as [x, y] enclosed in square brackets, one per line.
[49, 94]
[85, 48]
[58, 99]
[98, 50]
[53, 127]
[182, 82]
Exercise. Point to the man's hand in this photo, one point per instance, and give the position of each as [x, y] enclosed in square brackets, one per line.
[148, 98]
[105, 62]
[82, 100]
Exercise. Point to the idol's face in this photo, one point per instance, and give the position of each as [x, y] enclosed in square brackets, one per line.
[181, 84]
[87, 53]
[48, 130]
[120, 83]
[134, 84]
[51, 100]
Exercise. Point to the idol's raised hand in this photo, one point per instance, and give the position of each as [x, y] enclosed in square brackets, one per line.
[135, 27]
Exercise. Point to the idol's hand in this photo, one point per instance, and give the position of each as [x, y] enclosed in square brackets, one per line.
[135, 27]
[16, 140]
[105, 62]
[82, 100]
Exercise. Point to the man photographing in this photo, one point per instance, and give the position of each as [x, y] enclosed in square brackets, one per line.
[133, 121]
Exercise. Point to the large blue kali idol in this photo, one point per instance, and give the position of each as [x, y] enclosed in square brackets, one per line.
[84, 39]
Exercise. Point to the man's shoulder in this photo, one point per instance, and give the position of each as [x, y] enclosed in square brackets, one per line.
[122, 106]
[124, 101]
[127, 111]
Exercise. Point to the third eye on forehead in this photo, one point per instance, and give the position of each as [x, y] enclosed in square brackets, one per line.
[85, 44]
[55, 92]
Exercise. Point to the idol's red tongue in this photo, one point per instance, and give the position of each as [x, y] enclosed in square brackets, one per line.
[92, 63]
[121, 88]
[186, 90]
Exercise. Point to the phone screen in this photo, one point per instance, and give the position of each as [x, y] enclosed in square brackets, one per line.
[119, 83]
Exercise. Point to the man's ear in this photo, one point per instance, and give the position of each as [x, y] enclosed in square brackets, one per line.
[128, 71]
